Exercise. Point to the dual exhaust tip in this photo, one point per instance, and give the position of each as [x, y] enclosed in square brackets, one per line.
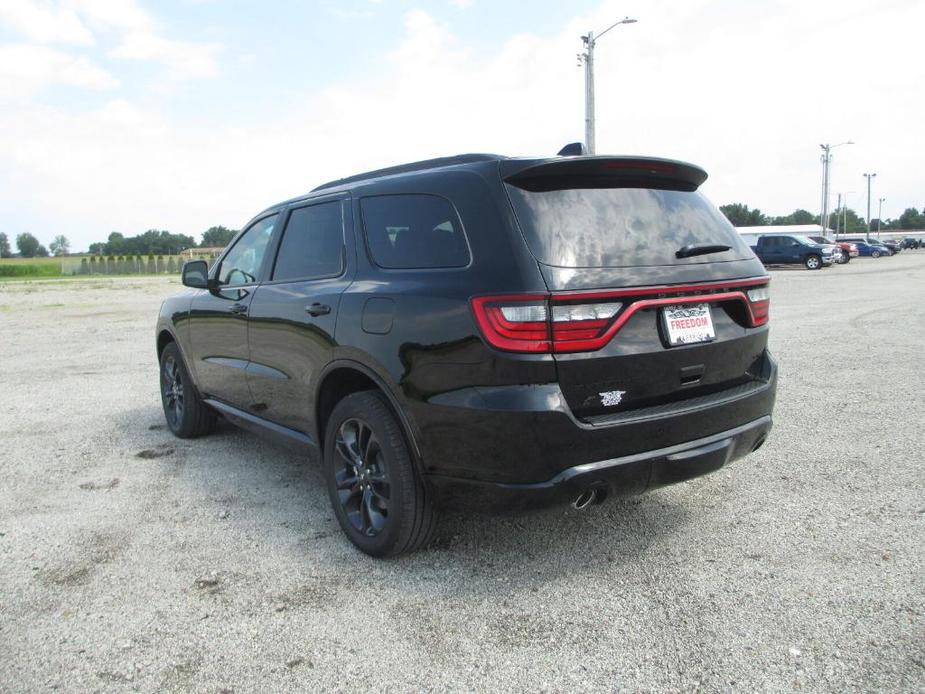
[594, 495]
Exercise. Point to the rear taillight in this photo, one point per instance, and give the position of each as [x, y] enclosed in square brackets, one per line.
[759, 299]
[584, 322]
[518, 323]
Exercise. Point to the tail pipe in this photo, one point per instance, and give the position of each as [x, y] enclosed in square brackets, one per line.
[588, 497]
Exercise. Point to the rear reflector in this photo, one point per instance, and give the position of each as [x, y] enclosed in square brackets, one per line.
[585, 322]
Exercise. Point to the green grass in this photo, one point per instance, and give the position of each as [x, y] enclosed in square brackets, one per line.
[67, 267]
[30, 267]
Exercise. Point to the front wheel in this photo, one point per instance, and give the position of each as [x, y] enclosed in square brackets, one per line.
[378, 496]
[813, 262]
[187, 415]
[875, 254]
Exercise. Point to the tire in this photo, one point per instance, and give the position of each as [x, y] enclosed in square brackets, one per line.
[379, 499]
[875, 254]
[187, 416]
[812, 262]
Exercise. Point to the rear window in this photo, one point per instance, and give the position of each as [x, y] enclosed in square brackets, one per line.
[413, 231]
[622, 227]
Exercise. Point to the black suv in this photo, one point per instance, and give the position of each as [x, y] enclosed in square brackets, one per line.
[481, 331]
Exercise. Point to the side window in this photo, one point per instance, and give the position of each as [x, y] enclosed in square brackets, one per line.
[313, 243]
[413, 231]
[242, 263]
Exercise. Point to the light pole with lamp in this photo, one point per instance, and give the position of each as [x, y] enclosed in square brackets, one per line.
[870, 177]
[826, 181]
[587, 58]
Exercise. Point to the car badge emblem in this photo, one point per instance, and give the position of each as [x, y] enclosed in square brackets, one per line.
[612, 397]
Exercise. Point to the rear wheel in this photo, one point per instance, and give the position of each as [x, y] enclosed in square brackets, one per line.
[186, 414]
[875, 254]
[813, 262]
[378, 496]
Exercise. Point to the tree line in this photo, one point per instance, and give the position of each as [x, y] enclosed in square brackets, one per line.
[151, 242]
[846, 220]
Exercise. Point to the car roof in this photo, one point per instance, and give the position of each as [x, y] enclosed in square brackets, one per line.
[516, 167]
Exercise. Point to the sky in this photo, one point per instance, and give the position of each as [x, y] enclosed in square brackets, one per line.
[128, 115]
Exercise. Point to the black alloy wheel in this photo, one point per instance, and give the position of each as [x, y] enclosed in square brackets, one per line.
[363, 487]
[186, 414]
[172, 392]
[380, 500]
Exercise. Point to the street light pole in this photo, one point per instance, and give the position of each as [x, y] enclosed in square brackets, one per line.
[879, 215]
[590, 41]
[838, 217]
[826, 181]
[870, 177]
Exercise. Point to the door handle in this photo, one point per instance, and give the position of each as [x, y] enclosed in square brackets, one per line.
[317, 309]
[238, 309]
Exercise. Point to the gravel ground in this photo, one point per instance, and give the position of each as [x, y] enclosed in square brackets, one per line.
[132, 561]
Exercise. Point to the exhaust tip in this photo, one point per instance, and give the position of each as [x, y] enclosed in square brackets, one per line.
[758, 444]
[585, 499]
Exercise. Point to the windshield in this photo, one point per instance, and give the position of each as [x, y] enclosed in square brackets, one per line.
[622, 227]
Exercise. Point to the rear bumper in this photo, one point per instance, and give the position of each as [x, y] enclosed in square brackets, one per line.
[630, 474]
[519, 447]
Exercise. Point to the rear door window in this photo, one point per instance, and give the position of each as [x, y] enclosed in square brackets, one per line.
[413, 231]
[313, 244]
[621, 227]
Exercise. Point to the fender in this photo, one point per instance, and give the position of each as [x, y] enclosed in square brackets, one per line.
[410, 429]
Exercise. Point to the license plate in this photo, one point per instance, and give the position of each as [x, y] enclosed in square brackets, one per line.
[688, 324]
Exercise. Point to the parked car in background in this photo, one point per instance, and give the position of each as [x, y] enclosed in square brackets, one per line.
[778, 249]
[470, 331]
[911, 243]
[894, 246]
[843, 252]
[870, 250]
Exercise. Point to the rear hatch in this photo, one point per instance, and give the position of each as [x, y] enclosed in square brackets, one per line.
[654, 298]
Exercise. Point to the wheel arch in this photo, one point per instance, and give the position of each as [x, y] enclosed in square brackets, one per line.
[164, 337]
[345, 376]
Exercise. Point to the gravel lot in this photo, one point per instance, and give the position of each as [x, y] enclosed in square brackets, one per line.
[132, 561]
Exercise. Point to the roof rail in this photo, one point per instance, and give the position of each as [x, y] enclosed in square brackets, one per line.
[413, 166]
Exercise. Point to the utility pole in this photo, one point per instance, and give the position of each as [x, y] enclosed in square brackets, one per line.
[826, 166]
[870, 177]
[590, 41]
[879, 215]
[838, 217]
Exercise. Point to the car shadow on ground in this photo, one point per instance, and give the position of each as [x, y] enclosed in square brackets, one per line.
[278, 487]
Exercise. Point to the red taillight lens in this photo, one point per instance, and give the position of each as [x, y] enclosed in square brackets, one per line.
[517, 323]
[578, 327]
[587, 321]
[537, 323]
[759, 299]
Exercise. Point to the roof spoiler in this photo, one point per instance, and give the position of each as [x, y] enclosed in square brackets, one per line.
[602, 172]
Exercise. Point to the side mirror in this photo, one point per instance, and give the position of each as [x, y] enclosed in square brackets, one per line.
[195, 274]
[794, 244]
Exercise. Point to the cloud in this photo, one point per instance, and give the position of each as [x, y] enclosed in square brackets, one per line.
[109, 15]
[705, 81]
[26, 69]
[183, 59]
[137, 34]
[43, 23]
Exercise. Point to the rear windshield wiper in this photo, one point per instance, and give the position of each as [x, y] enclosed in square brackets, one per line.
[692, 250]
